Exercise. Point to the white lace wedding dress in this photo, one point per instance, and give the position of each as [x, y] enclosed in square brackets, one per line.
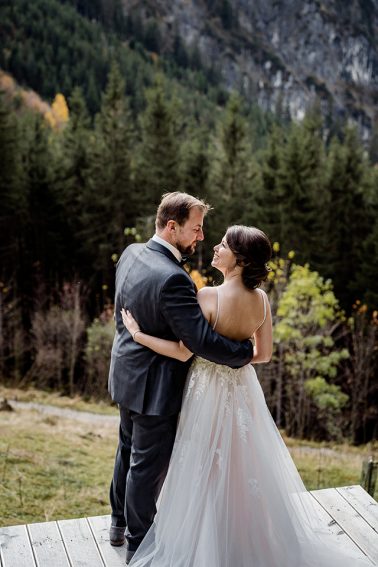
[233, 496]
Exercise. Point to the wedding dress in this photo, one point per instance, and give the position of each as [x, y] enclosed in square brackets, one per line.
[233, 496]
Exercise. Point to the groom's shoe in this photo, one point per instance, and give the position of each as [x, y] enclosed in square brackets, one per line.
[117, 535]
[129, 556]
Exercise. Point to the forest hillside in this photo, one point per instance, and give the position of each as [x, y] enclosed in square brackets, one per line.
[104, 106]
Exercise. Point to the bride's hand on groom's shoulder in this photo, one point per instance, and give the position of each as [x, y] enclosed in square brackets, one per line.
[129, 322]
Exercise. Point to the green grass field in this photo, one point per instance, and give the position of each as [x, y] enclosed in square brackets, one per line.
[55, 467]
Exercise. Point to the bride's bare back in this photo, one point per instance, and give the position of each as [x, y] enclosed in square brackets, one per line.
[239, 313]
[235, 312]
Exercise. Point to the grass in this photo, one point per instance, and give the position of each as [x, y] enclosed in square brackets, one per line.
[55, 467]
[326, 465]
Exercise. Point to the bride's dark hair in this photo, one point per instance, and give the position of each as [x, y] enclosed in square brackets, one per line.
[252, 250]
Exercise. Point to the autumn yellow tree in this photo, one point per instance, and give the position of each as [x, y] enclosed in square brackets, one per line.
[58, 116]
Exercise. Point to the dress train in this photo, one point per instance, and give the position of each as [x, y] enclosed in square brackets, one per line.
[233, 496]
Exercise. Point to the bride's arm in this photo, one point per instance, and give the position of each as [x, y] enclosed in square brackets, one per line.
[263, 338]
[172, 349]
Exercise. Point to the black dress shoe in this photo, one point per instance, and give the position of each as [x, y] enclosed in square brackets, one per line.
[129, 556]
[117, 535]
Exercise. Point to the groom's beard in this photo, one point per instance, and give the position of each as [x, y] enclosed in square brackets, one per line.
[186, 250]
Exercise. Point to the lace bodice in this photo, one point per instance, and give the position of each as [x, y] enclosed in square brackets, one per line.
[203, 371]
[202, 364]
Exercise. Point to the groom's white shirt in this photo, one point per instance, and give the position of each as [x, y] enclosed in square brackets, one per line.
[170, 247]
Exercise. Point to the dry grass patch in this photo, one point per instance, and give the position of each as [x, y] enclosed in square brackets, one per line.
[57, 467]
[53, 468]
[326, 465]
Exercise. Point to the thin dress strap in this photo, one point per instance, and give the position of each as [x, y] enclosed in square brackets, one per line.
[264, 304]
[217, 315]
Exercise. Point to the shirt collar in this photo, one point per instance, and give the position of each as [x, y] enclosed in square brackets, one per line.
[171, 248]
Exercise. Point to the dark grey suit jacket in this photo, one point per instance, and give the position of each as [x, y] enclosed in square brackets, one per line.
[162, 298]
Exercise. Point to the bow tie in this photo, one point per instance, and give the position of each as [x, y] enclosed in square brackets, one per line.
[183, 260]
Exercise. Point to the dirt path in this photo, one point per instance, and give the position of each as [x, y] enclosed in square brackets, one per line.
[84, 416]
[89, 417]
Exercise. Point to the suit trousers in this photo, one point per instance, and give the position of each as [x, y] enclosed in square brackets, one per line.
[141, 464]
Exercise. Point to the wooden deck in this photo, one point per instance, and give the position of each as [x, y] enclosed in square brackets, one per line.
[350, 513]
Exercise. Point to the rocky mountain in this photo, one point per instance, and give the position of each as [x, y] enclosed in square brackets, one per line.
[281, 53]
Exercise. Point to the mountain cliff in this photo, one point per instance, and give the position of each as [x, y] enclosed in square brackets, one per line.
[281, 53]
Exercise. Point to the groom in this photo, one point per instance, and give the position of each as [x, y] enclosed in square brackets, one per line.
[148, 387]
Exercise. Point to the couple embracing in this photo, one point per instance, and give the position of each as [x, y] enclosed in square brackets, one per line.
[231, 495]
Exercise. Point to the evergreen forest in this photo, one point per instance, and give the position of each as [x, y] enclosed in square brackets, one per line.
[132, 119]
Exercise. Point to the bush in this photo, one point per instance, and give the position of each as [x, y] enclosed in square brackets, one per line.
[56, 337]
[97, 354]
[300, 382]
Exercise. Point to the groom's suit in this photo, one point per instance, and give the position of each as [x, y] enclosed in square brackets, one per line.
[148, 387]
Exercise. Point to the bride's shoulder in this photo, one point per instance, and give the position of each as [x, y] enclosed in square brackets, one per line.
[265, 296]
[207, 298]
[207, 292]
[261, 292]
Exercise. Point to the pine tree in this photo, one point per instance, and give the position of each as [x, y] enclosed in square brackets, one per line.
[302, 192]
[367, 277]
[45, 242]
[348, 220]
[152, 37]
[13, 198]
[373, 144]
[194, 162]
[157, 155]
[233, 178]
[109, 199]
[226, 14]
[13, 216]
[268, 199]
[71, 173]
[179, 51]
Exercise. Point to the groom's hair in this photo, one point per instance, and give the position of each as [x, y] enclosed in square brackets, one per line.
[176, 206]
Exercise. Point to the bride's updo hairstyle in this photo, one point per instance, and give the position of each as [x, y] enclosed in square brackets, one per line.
[252, 250]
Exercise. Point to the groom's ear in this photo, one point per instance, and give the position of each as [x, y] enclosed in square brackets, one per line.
[171, 226]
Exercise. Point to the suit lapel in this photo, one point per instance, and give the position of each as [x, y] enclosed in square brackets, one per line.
[153, 245]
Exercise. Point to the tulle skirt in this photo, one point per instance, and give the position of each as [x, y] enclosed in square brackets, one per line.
[233, 496]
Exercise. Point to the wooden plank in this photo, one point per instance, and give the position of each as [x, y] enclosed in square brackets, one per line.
[339, 536]
[327, 524]
[80, 545]
[350, 521]
[111, 556]
[15, 547]
[349, 513]
[48, 545]
[362, 502]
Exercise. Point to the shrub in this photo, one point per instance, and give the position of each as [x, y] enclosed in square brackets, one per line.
[97, 354]
[56, 337]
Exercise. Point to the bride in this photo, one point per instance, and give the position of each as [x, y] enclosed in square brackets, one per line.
[233, 496]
